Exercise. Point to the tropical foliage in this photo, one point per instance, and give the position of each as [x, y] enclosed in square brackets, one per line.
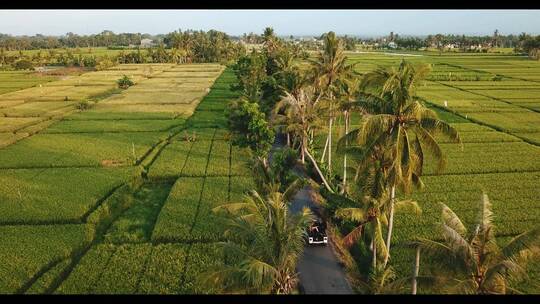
[265, 244]
[470, 260]
[397, 130]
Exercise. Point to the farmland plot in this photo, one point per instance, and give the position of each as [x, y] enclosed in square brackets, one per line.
[47, 195]
[27, 250]
[142, 269]
[17, 80]
[57, 99]
[80, 149]
[56, 162]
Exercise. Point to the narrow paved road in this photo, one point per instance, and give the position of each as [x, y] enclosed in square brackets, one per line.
[318, 268]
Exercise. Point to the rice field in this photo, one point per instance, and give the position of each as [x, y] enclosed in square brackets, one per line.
[70, 226]
[17, 80]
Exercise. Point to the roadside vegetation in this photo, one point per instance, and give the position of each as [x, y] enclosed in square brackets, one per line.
[389, 138]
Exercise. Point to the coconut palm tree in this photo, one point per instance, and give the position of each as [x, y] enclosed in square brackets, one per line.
[300, 115]
[265, 243]
[370, 215]
[349, 89]
[292, 81]
[383, 280]
[470, 261]
[267, 178]
[398, 121]
[329, 67]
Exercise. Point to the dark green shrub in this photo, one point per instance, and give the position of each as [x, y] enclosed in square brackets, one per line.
[23, 65]
[124, 82]
[83, 105]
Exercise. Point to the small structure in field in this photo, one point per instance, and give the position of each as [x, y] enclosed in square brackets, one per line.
[147, 43]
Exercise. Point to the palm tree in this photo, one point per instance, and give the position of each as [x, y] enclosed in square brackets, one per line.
[383, 280]
[301, 116]
[349, 91]
[265, 243]
[470, 261]
[267, 179]
[369, 217]
[292, 81]
[397, 121]
[328, 69]
[370, 214]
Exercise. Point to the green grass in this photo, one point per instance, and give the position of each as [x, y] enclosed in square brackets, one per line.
[209, 226]
[28, 250]
[142, 268]
[44, 282]
[178, 215]
[79, 149]
[17, 80]
[55, 195]
[88, 126]
[128, 257]
[136, 224]
[171, 161]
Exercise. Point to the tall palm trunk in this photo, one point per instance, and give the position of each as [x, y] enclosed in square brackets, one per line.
[288, 139]
[345, 155]
[374, 250]
[324, 151]
[390, 223]
[314, 162]
[304, 148]
[416, 270]
[330, 146]
[329, 136]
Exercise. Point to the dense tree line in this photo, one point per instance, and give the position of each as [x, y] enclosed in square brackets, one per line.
[71, 40]
[178, 47]
[529, 45]
[200, 46]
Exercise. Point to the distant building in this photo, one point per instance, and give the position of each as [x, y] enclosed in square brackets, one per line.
[392, 45]
[146, 43]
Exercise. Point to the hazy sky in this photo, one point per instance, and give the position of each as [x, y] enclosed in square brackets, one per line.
[284, 22]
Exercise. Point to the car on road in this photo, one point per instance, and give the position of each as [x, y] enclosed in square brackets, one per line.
[316, 233]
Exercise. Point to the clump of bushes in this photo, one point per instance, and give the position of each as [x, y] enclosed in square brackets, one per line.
[83, 105]
[190, 137]
[283, 161]
[23, 64]
[104, 63]
[124, 82]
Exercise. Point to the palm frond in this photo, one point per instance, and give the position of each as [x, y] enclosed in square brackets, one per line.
[408, 206]
[354, 214]
[452, 220]
[442, 127]
[427, 140]
[485, 215]
[526, 241]
[352, 237]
